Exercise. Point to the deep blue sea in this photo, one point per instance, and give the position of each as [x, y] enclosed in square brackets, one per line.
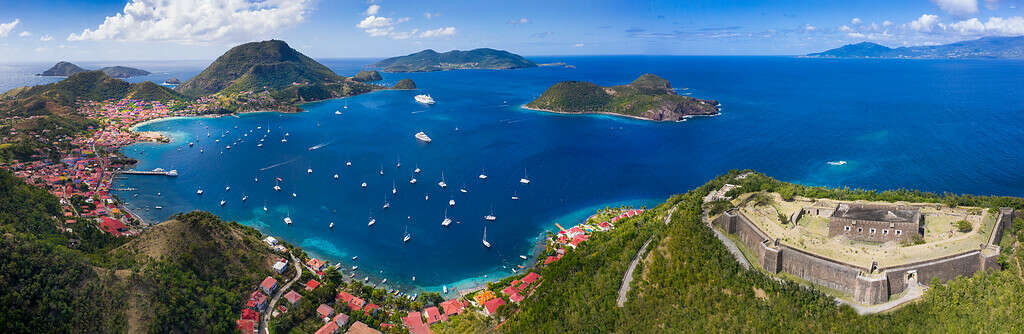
[934, 125]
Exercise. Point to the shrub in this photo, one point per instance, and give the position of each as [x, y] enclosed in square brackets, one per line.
[963, 226]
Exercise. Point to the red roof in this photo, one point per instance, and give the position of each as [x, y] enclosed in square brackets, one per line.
[493, 304]
[550, 259]
[451, 307]
[515, 297]
[258, 297]
[523, 287]
[344, 297]
[312, 284]
[434, 315]
[324, 311]
[509, 290]
[370, 308]
[329, 328]
[268, 283]
[292, 297]
[531, 277]
[356, 303]
[249, 314]
[246, 326]
[113, 226]
[413, 320]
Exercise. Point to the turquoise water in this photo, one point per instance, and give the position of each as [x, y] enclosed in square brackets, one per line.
[930, 125]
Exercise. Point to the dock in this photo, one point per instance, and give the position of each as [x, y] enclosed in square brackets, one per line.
[158, 171]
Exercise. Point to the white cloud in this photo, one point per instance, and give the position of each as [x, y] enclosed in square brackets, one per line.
[518, 21]
[992, 4]
[45, 38]
[958, 7]
[995, 26]
[855, 20]
[809, 28]
[845, 28]
[25, 34]
[886, 23]
[439, 32]
[856, 35]
[371, 22]
[198, 21]
[373, 10]
[430, 15]
[925, 23]
[5, 28]
[577, 45]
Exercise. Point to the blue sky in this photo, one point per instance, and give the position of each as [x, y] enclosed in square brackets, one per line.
[202, 29]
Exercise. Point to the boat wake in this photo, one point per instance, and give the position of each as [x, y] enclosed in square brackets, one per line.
[320, 145]
[278, 164]
[418, 111]
[837, 163]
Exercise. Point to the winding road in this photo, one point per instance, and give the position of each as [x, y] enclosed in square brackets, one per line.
[265, 321]
[628, 277]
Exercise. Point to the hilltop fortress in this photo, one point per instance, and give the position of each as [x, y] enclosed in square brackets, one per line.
[851, 248]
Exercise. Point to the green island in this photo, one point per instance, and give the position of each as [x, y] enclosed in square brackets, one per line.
[430, 60]
[649, 97]
[367, 76]
[64, 69]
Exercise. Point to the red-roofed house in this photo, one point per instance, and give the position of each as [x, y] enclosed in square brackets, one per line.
[312, 284]
[523, 286]
[492, 305]
[249, 314]
[413, 321]
[451, 307]
[371, 309]
[550, 259]
[259, 298]
[246, 326]
[316, 264]
[515, 297]
[329, 328]
[292, 297]
[531, 278]
[344, 297]
[604, 226]
[341, 319]
[268, 285]
[113, 226]
[434, 315]
[356, 303]
[509, 290]
[324, 311]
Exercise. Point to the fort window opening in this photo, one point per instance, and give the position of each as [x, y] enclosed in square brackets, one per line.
[898, 232]
[885, 231]
[872, 231]
[860, 230]
[847, 228]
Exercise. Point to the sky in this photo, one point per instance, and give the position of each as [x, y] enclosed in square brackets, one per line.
[140, 30]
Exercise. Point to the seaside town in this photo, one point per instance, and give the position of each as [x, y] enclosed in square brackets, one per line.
[352, 307]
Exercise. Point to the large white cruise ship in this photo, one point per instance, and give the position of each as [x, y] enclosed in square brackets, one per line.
[424, 98]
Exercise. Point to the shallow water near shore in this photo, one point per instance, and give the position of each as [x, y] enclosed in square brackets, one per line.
[929, 125]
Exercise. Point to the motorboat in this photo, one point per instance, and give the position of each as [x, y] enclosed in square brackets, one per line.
[441, 183]
[423, 137]
[199, 192]
[484, 240]
[335, 176]
[451, 202]
[424, 99]
[331, 225]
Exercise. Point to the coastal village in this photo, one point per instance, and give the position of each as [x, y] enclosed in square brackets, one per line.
[82, 180]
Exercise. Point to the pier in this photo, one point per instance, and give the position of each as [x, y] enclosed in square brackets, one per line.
[158, 171]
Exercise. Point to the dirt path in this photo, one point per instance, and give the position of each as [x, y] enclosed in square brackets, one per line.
[265, 323]
[628, 277]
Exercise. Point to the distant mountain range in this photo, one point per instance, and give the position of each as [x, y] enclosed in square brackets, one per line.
[430, 60]
[64, 69]
[987, 47]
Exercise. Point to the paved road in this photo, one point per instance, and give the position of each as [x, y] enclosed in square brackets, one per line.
[628, 277]
[731, 246]
[265, 322]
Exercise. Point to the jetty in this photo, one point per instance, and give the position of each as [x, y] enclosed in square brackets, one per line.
[158, 171]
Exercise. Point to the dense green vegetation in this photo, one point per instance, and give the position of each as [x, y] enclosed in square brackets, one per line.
[365, 76]
[649, 96]
[257, 66]
[689, 282]
[62, 69]
[430, 60]
[123, 72]
[404, 84]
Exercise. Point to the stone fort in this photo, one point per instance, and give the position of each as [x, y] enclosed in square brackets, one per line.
[867, 285]
[875, 222]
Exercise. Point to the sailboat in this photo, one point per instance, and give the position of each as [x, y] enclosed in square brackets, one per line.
[386, 203]
[491, 216]
[331, 226]
[364, 185]
[413, 179]
[381, 169]
[486, 244]
[524, 180]
[483, 175]
[199, 192]
[394, 189]
[407, 236]
[309, 171]
[244, 197]
[417, 170]
[335, 176]
[446, 220]
[515, 196]
[222, 202]
[451, 202]
[348, 163]
[372, 221]
[441, 183]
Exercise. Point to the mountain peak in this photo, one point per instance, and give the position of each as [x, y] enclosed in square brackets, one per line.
[248, 67]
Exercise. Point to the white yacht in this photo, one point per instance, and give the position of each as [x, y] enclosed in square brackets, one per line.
[441, 183]
[259, 145]
[295, 195]
[372, 221]
[381, 172]
[331, 226]
[451, 202]
[227, 188]
[337, 112]
[483, 175]
[524, 180]
[424, 98]
[348, 163]
[364, 185]
[426, 197]
[309, 171]
[284, 140]
[447, 221]
[486, 244]
[417, 170]
[199, 192]
[491, 216]
[394, 189]
[413, 180]
[423, 137]
[277, 188]
[288, 220]
[335, 176]
[407, 236]
[264, 208]
[463, 190]
[245, 197]
[222, 202]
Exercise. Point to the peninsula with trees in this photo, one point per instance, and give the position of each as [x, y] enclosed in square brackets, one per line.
[649, 97]
[476, 59]
[986, 47]
[65, 69]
